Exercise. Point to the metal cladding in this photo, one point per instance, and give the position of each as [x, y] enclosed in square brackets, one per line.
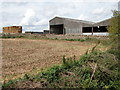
[103, 23]
[12, 29]
[59, 25]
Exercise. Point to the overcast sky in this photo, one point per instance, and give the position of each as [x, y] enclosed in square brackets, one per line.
[34, 15]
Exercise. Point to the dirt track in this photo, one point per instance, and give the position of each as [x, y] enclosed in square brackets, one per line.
[22, 56]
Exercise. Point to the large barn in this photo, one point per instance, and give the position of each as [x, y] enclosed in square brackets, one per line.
[59, 25]
[12, 29]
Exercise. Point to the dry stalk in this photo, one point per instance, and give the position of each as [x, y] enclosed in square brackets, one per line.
[93, 73]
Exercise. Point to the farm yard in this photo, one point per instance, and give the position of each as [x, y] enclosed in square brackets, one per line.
[22, 56]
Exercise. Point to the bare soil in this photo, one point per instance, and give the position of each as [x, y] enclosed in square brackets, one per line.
[22, 56]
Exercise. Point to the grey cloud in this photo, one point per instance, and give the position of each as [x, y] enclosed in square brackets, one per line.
[11, 4]
[44, 11]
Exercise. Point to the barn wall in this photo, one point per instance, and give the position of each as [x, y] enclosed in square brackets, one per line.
[75, 27]
[72, 27]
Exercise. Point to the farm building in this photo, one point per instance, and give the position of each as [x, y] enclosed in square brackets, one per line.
[101, 26]
[12, 29]
[59, 25]
[31, 32]
[46, 32]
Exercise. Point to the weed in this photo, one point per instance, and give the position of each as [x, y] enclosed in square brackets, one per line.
[95, 69]
[26, 76]
[81, 40]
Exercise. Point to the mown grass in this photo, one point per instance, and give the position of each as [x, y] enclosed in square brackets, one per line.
[95, 69]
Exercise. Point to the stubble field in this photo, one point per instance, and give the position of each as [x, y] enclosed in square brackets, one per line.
[22, 56]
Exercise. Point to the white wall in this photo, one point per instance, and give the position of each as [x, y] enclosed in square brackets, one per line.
[99, 34]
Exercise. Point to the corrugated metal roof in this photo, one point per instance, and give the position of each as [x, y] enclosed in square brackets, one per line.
[106, 20]
[83, 21]
[76, 20]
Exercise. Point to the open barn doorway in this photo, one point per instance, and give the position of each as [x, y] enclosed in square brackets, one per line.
[56, 29]
[87, 29]
[96, 29]
[100, 29]
[103, 29]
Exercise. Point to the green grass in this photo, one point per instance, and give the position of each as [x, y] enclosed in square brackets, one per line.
[35, 37]
[12, 37]
[81, 40]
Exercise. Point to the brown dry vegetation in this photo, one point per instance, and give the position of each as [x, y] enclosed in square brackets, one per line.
[22, 56]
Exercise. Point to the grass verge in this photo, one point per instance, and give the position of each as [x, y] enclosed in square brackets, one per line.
[95, 69]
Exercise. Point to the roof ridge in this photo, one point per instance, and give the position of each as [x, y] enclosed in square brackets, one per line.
[103, 20]
[84, 21]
